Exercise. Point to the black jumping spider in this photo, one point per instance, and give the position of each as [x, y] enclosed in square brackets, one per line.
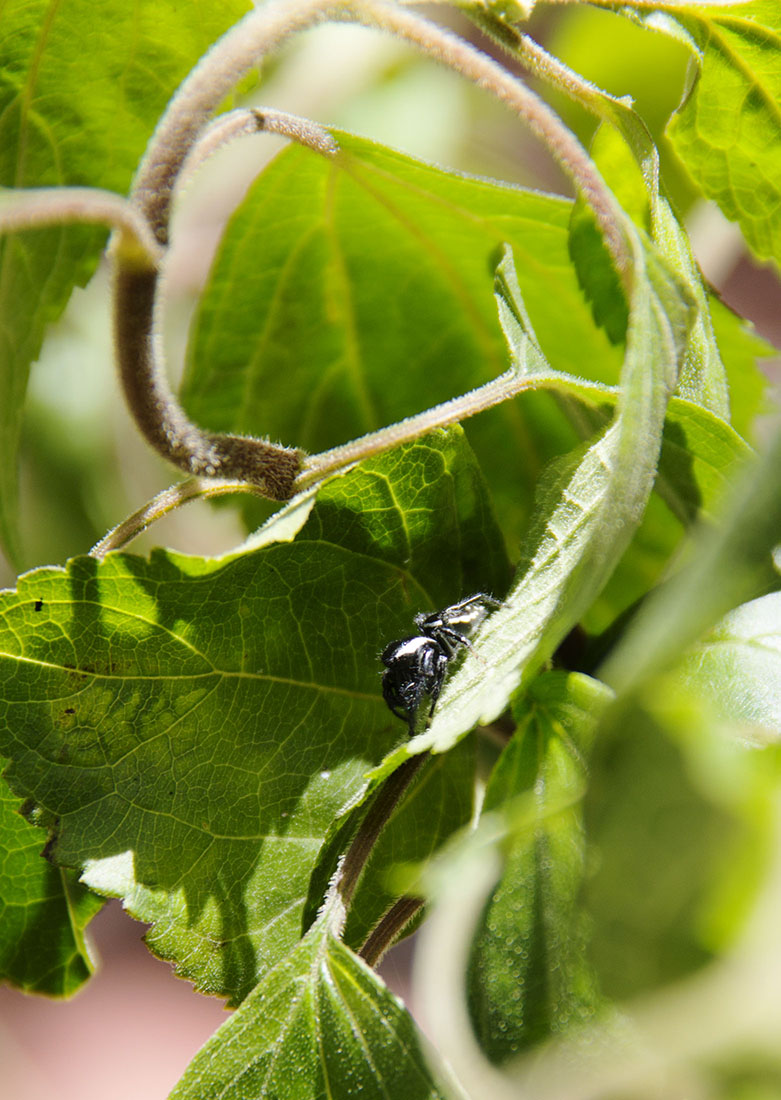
[416, 666]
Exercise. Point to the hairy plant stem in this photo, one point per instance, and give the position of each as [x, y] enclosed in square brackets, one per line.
[329, 463]
[269, 468]
[37, 208]
[163, 504]
[357, 855]
[488, 74]
[317, 467]
[383, 935]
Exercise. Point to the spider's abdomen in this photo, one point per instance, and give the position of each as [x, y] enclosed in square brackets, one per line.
[414, 668]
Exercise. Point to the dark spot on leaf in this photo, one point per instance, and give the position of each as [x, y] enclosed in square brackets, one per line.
[48, 848]
[38, 605]
[70, 710]
[27, 808]
[74, 672]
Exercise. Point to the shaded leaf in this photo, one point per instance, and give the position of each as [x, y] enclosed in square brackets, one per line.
[43, 912]
[529, 976]
[320, 1026]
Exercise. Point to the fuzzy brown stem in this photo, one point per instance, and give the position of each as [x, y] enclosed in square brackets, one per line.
[268, 468]
[385, 802]
[384, 934]
[271, 469]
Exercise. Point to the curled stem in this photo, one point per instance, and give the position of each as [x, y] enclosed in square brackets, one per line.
[267, 468]
[40, 207]
[271, 469]
[246, 121]
[487, 73]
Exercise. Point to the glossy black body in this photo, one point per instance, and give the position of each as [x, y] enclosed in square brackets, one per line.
[415, 667]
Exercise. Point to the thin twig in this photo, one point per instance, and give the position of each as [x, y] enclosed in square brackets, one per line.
[162, 505]
[509, 384]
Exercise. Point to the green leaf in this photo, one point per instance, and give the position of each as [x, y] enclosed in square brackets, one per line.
[728, 131]
[81, 88]
[320, 1026]
[629, 161]
[195, 725]
[43, 912]
[589, 506]
[529, 977]
[353, 291]
[740, 348]
[736, 667]
[731, 564]
[678, 819]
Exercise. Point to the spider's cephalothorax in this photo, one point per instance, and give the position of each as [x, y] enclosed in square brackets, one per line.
[415, 667]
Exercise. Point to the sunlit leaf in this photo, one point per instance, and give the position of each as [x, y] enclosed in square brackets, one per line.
[728, 131]
[737, 667]
[320, 1025]
[194, 725]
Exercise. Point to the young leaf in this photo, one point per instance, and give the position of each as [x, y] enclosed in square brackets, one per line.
[629, 162]
[320, 1024]
[43, 912]
[194, 726]
[728, 131]
[737, 667]
[529, 975]
[81, 88]
[589, 507]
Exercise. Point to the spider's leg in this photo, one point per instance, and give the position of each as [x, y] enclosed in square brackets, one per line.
[399, 713]
[439, 679]
[448, 638]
